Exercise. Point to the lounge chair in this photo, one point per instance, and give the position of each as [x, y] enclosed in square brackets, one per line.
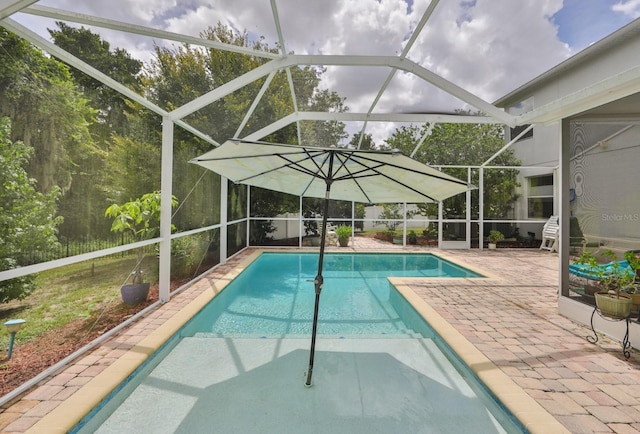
[586, 279]
[577, 240]
[550, 234]
[331, 238]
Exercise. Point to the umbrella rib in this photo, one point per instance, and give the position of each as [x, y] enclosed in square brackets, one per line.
[292, 164]
[352, 175]
[320, 174]
[432, 175]
[378, 173]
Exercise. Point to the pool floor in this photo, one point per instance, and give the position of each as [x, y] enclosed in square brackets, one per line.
[225, 385]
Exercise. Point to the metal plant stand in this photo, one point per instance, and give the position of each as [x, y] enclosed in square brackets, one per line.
[625, 341]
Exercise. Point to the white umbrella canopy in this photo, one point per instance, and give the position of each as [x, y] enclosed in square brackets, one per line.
[330, 173]
[355, 175]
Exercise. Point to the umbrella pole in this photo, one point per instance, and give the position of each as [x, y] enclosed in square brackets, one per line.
[319, 280]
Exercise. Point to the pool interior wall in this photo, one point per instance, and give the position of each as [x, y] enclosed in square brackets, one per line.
[531, 414]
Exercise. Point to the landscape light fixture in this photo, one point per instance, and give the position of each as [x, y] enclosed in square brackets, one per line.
[13, 325]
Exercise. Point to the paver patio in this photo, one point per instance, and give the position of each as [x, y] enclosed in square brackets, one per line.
[512, 319]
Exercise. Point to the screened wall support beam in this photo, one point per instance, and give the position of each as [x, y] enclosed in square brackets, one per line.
[481, 208]
[166, 181]
[224, 200]
[9, 7]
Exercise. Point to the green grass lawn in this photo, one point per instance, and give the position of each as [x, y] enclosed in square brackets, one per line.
[77, 291]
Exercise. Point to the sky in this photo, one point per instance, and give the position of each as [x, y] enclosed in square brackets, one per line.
[487, 47]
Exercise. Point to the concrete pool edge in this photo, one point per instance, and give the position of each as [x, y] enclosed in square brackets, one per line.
[525, 408]
[65, 417]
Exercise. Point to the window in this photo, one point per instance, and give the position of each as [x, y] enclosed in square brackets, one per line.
[540, 196]
[517, 130]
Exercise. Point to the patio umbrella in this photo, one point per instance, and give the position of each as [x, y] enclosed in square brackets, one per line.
[331, 173]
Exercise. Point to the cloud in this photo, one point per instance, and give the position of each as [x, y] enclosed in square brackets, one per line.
[631, 8]
[487, 47]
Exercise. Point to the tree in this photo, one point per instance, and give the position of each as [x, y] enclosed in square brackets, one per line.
[366, 143]
[50, 115]
[140, 218]
[47, 112]
[464, 144]
[28, 221]
[326, 133]
[391, 214]
[178, 75]
[117, 64]
[90, 187]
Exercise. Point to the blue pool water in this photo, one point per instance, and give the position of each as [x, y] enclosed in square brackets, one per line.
[275, 296]
[238, 365]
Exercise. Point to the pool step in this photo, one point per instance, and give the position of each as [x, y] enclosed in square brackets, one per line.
[405, 333]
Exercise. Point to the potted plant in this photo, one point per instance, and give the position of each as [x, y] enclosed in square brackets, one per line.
[344, 233]
[314, 239]
[140, 218]
[412, 237]
[493, 238]
[633, 288]
[615, 279]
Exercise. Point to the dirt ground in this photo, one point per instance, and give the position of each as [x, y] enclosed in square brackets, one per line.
[30, 359]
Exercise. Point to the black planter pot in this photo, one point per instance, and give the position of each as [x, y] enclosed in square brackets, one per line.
[134, 294]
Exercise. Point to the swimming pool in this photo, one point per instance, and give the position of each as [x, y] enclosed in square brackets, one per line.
[275, 297]
[392, 376]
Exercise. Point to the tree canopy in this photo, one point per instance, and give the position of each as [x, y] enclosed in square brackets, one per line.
[28, 221]
[459, 145]
[90, 146]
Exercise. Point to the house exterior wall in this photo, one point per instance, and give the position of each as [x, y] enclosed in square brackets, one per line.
[611, 56]
[606, 58]
[604, 176]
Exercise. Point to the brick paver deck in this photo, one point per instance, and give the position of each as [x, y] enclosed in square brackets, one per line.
[512, 320]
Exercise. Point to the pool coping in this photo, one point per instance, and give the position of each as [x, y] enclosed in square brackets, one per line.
[71, 411]
[531, 415]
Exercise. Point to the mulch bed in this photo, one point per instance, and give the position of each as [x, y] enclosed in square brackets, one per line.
[30, 359]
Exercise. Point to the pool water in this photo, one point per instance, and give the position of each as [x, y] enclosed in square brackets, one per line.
[275, 296]
[238, 365]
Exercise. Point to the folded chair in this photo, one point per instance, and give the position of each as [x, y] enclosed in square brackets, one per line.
[550, 234]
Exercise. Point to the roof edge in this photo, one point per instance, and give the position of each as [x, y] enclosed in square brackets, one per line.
[604, 44]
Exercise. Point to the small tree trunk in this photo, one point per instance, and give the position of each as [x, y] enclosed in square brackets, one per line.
[137, 274]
